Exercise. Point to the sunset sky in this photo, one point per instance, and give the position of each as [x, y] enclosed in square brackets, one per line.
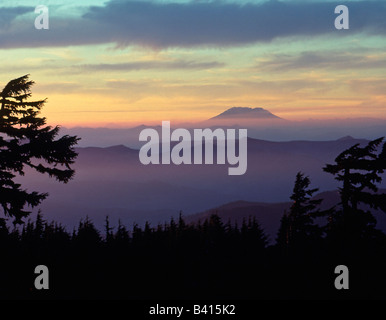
[120, 62]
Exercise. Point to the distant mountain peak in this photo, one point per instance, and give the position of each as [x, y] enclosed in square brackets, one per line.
[346, 138]
[246, 112]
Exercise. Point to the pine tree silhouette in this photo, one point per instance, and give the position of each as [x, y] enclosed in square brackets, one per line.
[87, 235]
[359, 169]
[25, 140]
[283, 233]
[108, 230]
[297, 228]
[121, 236]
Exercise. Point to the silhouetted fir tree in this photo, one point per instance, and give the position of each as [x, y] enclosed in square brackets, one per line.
[148, 228]
[159, 231]
[244, 236]
[121, 236]
[258, 237]
[159, 237]
[186, 236]
[244, 227]
[25, 140]
[214, 232]
[4, 232]
[55, 234]
[199, 225]
[148, 234]
[252, 237]
[228, 227]
[172, 234]
[298, 229]
[236, 228]
[137, 234]
[28, 232]
[39, 226]
[359, 170]
[172, 227]
[14, 237]
[215, 225]
[230, 235]
[108, 230]
[282, 238]
[87, 234]
[181, 223]
[5, 238]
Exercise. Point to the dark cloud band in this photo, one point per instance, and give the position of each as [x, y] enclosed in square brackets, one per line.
[9, 14]
[195, 24]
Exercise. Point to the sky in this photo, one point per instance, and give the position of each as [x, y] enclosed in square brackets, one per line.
[118, 63]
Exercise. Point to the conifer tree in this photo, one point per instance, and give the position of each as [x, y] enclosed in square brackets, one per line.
[147, 234]
[4, 232]
[87, 234]
[39, 226]
[359, 170]
[181, 223]
[137, 233]
[259, 238]
[108, 230]
[26, 140]
[298, 228]
[282, 238]
[122, 234]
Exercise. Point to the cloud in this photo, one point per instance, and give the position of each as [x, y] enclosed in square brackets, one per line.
[51, 66]
[196, 23]
[9, 14]
[227, 90]
[149, 65]
[59, 87]
[369, 86]
[334, 60]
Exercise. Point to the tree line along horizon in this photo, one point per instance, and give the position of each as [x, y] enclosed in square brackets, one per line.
[347, 230]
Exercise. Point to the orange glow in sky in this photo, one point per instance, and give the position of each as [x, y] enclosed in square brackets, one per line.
[105, 83]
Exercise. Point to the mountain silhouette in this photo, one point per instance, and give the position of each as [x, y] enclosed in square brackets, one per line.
[245, 113]
[113, 181]
[269, 214]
